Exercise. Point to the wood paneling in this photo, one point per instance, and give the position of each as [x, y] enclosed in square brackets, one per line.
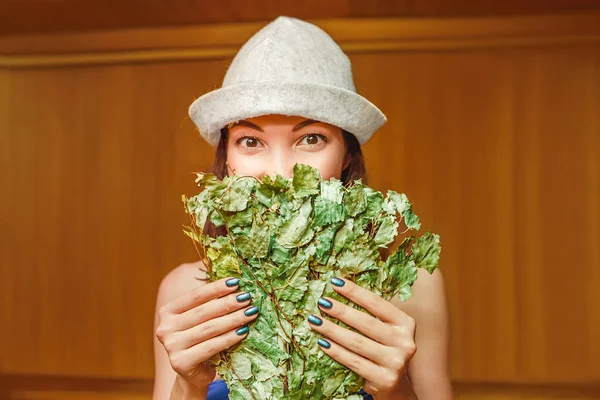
[18, 16]
[357, 36]
[96, 212]
[34, 387]
[490, 391]
[498, 148]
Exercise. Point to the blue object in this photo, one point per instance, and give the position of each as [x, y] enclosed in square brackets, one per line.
[242, 331]
[251, 311]
[217, 390]
[338, 282]
[232, 282]
[325, 303]
[313, 319]
[243, 297]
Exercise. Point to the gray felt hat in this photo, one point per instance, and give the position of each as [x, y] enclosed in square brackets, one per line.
[289, 67]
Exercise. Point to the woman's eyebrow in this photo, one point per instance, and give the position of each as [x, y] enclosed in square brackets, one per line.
[303, 124]
[248, 125]
[258, 128]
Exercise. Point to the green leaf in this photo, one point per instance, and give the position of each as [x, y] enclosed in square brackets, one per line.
[332, 191]
[309, 303]
[355, 200]
[216, 218]
[292, 233]
[374, 203]
[344, 236]
[296, 285]
[241, 364]
[224, 260]
[362, 257]
[402, 272]
[404, 207]
[333, 382]
[243, 218]
[280, 255]
[327, 212]
[236, 196]
[266, 349]
[324, 243]
[387, 231]
[306, 180]
[426, 251]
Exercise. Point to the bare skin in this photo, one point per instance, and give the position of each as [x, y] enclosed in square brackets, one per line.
[195, 319]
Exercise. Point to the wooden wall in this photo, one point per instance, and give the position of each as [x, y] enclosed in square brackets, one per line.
[43, 16]
[494, 134]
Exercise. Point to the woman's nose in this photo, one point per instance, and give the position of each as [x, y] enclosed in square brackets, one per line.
[281, 163]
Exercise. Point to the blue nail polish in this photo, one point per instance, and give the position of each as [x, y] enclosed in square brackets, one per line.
[243, 297]
[251, 311]
[338, 282]
[232, 282]
[324, 343]
[313, 319]
[325, 303]
[242, 331]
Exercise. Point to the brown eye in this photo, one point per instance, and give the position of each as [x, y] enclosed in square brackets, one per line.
[313, 139]
[248, 142]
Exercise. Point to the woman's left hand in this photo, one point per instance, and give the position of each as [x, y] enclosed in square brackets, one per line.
[381, 353]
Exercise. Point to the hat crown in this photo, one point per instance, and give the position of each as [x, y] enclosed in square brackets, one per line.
[291, 50]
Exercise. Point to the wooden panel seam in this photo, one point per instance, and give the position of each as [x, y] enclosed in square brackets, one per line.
[355, 36]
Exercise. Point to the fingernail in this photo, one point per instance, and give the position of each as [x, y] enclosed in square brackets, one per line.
[251, 311]
[338, 282]
[243, 297]
[232, 282]
[324, 343]
[325, 303]
[313, 319]
[242, 331]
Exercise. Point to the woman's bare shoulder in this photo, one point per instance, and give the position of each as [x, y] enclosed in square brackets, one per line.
[180, 280]
[428, 297]
[428, 369]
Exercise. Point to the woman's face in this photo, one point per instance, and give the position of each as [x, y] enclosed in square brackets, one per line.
[273, 144]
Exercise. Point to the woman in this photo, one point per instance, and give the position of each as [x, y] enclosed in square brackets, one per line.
[288, 97]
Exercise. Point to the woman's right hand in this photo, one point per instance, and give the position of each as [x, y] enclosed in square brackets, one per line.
[201, 323]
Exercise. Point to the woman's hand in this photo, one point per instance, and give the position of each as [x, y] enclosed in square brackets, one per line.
[200, 324]
[387, 343]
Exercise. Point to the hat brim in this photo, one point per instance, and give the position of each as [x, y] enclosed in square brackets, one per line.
[333, 105]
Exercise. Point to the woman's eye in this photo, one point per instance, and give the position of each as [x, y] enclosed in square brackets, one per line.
[312, 139]
[250, 142]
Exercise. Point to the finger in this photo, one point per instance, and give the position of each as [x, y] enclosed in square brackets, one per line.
[205, 350]
[215, 327]
[366, 324]
[376, 305]
[202, 294]
[212, 309]
[365, 368]
[355, 342]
